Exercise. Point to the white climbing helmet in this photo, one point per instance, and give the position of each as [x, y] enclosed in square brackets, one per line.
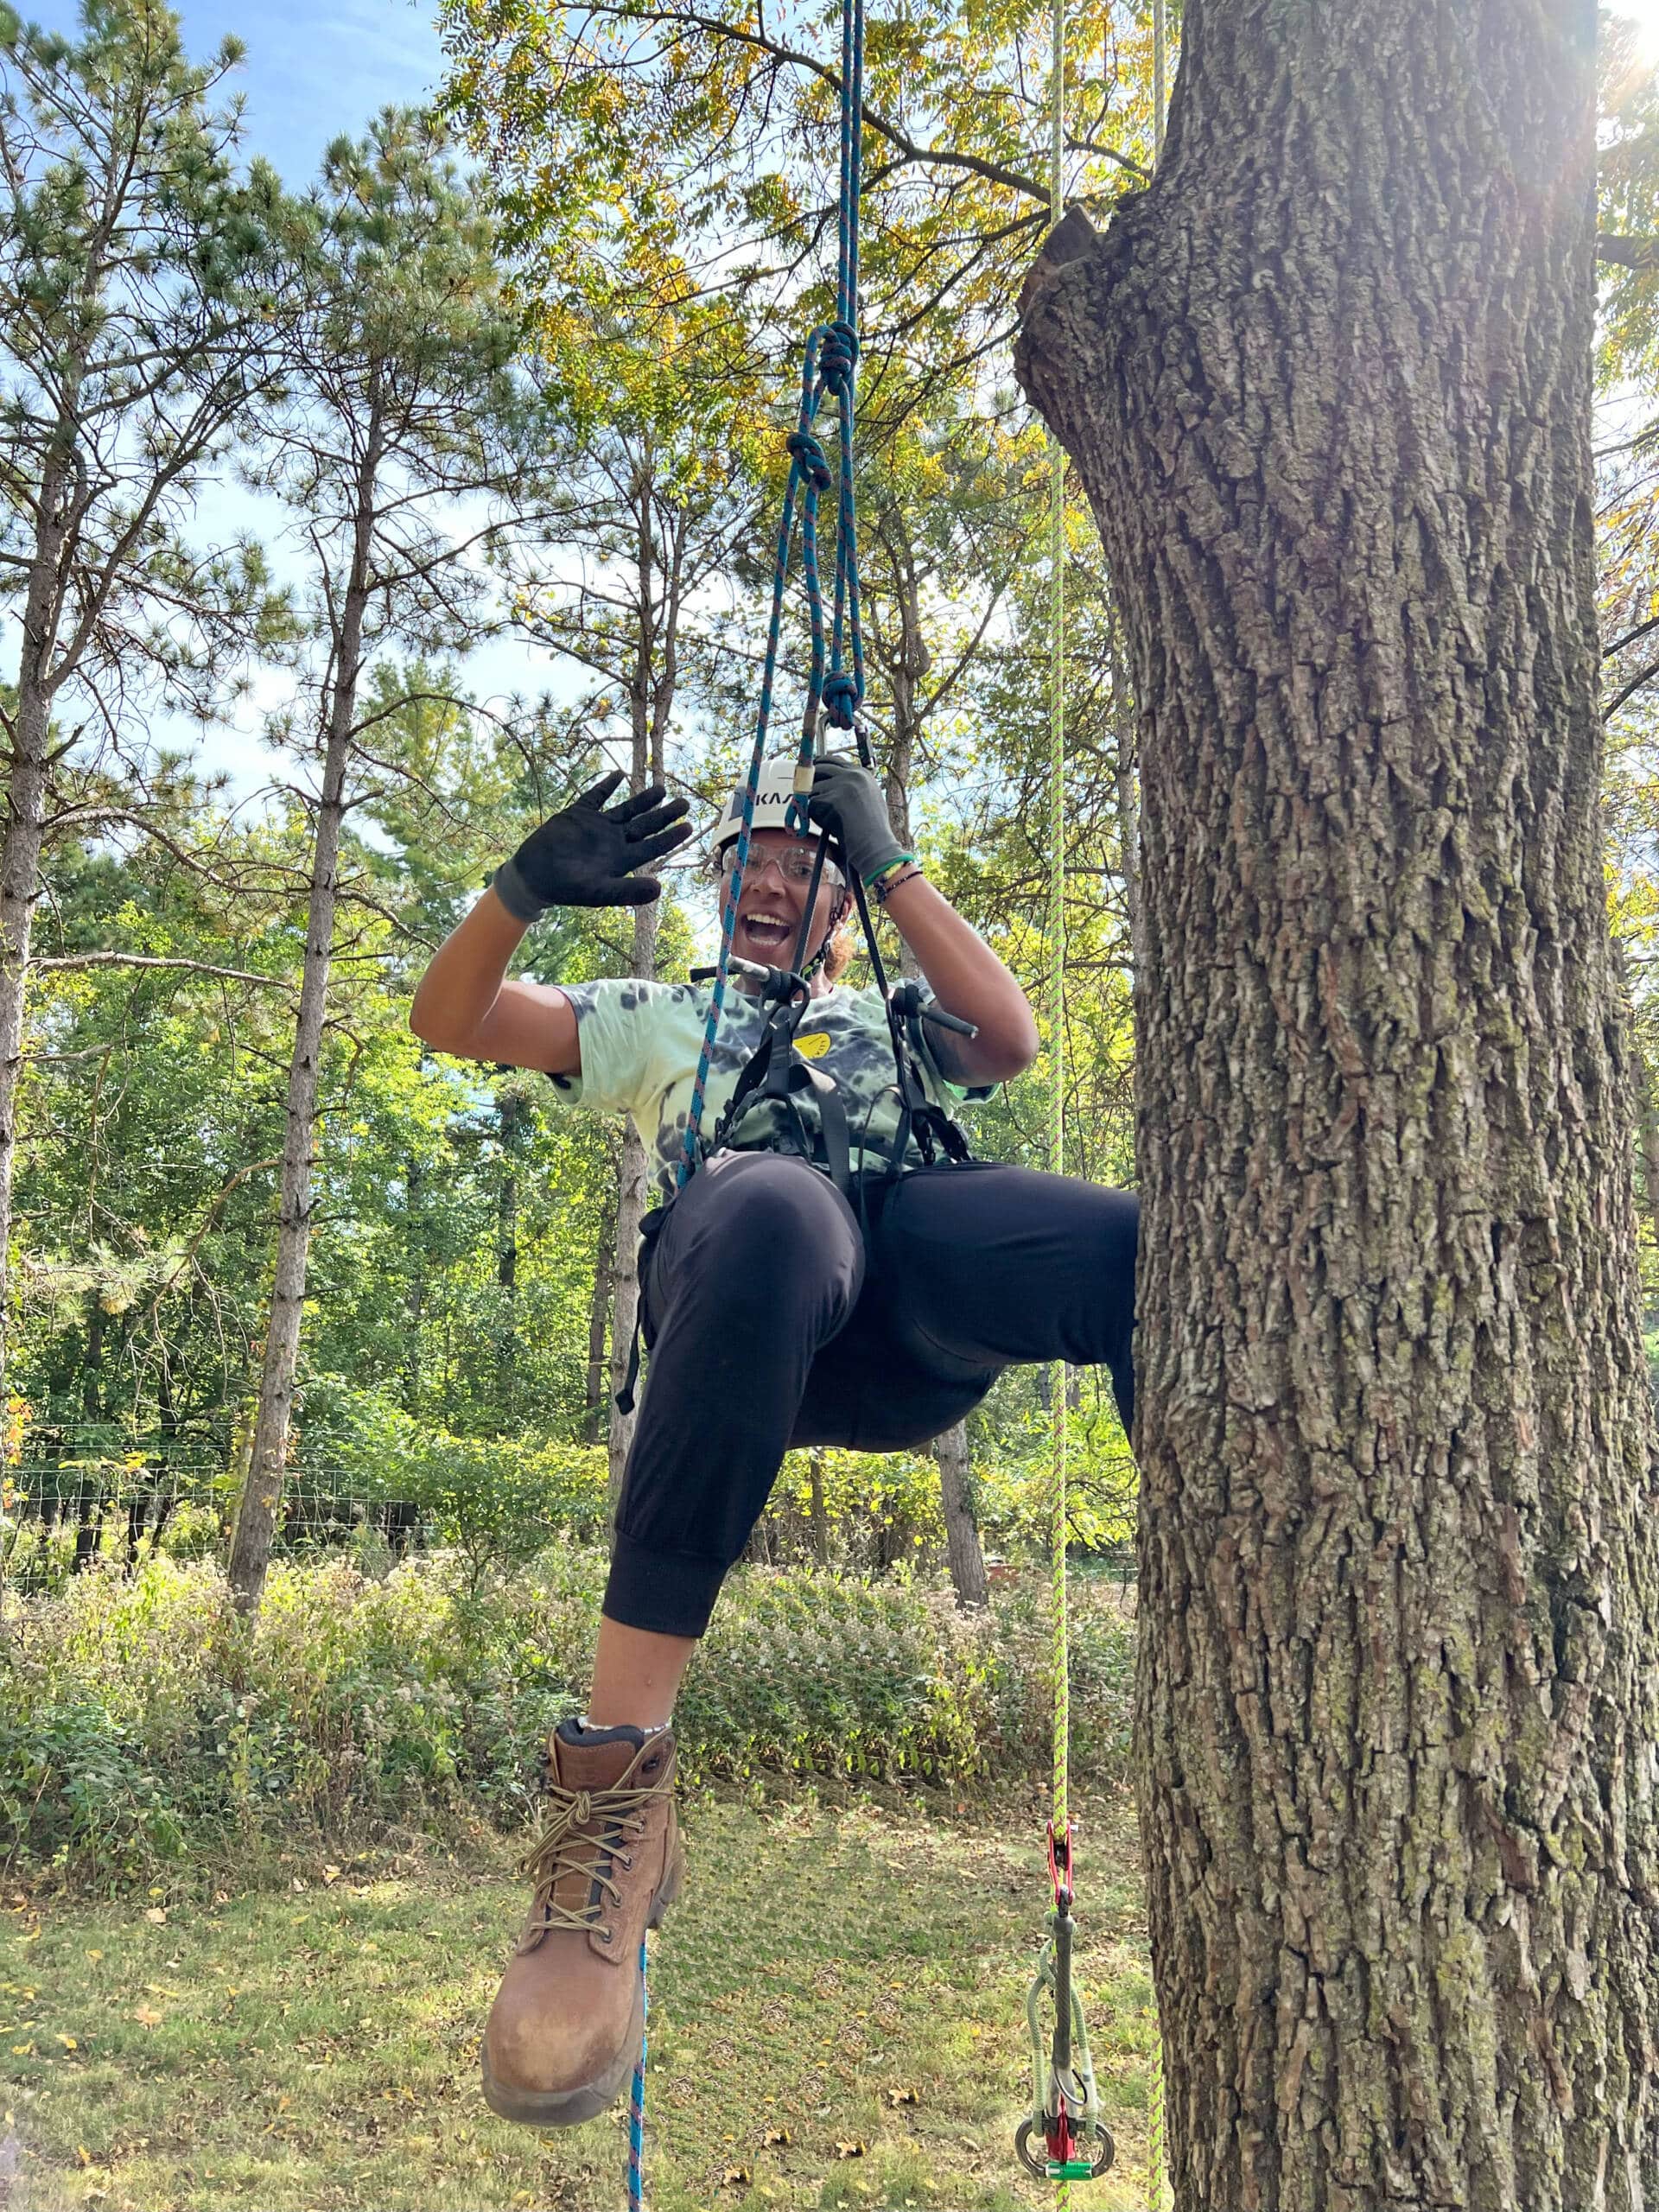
[772, 797]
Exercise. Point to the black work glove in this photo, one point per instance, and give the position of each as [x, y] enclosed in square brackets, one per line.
[586, 857]
[847, 800]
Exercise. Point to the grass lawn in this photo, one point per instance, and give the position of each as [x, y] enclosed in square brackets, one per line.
[848, 1982]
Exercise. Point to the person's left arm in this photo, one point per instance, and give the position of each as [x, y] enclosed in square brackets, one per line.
[962, 973]
[967, 980]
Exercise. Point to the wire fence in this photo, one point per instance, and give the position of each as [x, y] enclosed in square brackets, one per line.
[72, 1492]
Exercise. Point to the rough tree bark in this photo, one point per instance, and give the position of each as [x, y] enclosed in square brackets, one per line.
[1327, 384]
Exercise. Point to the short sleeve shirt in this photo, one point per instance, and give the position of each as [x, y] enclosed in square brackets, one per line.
[641, 1043]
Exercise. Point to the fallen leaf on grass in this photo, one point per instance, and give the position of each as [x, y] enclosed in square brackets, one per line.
[903, 2097]
[68, 2043]
[157, 1913]
[331, 1874]
[148, 2017]
[851, 2150]
[777, 2135]
[736, 2177]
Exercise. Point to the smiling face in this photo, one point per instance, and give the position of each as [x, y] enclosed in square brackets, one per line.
[769, 912]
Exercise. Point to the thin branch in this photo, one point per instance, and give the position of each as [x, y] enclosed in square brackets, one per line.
[153, 960]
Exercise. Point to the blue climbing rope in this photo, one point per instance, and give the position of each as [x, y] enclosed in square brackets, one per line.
[636, 2101]
[829, 369]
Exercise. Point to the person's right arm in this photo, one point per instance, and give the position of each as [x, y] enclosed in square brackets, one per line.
[592, 852]
[466, 1005]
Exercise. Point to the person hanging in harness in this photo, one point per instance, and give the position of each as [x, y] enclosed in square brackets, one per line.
[835, 1272]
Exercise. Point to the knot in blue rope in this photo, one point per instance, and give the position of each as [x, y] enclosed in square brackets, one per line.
[840, 353]
[840, 698]
[810, 457]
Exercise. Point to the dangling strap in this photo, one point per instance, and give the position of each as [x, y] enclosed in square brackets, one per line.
[651, 1227]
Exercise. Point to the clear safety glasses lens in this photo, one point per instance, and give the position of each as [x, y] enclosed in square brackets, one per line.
[795, 866]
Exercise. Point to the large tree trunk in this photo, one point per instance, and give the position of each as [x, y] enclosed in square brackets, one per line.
[1327, 384]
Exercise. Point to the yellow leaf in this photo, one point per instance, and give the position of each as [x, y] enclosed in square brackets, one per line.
[736, 2177]
[23, 2051]
[158, 1914]
[331, 1873]
[854, 2149]
[903, 2097]
[777, 2135]
[68, 2043]
[148, 2017]
[94, 1954]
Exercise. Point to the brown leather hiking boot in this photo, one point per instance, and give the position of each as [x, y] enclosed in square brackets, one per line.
[565, 2031]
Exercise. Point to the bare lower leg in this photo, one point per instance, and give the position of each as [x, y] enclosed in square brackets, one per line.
[636, 1675]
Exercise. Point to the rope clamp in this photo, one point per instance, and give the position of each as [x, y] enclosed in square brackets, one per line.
[1064, 2107]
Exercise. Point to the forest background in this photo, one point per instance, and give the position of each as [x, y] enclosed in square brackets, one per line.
[499, 399]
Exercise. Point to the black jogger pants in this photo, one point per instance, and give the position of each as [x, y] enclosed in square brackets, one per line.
[770, 1323]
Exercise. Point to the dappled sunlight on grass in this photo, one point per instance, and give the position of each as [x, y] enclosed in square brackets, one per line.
[837, 2020]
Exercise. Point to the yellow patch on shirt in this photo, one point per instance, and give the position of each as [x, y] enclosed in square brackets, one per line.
[814, 1045]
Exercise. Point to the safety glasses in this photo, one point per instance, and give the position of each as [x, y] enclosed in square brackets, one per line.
[794, 864]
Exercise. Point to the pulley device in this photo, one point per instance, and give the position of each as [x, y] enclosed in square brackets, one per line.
[1066, 2108]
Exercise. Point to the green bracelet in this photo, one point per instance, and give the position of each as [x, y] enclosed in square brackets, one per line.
[905, 859]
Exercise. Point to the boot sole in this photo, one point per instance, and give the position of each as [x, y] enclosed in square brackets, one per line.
[570, 2107]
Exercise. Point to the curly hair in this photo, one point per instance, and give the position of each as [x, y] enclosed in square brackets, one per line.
[839, 958]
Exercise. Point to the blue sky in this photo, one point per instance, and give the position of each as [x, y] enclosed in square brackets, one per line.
[312, 69]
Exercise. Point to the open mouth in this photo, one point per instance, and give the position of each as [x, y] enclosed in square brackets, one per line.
[770, 935]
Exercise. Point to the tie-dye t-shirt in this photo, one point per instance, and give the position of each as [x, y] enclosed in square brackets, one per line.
[641, 1042]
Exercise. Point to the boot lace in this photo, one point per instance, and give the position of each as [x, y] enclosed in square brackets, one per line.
[584, 1826]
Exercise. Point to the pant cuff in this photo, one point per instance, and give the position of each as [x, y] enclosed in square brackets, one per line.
[670, 1594]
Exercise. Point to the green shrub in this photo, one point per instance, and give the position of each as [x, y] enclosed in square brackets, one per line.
[497, 1500]
[141, 1719]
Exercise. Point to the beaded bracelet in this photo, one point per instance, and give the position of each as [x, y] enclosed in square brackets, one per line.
[885, 885]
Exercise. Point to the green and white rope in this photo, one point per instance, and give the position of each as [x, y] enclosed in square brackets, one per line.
[1057, 985]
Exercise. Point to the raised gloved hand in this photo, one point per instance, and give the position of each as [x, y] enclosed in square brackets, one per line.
[847, 800]
[586, 857]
